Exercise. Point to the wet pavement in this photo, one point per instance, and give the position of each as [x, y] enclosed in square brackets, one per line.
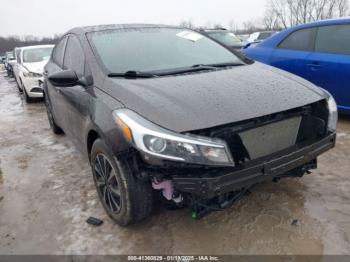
[47, 193]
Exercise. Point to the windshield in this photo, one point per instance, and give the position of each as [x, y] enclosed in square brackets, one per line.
[156, 49]
[225, 38]
[36, 54]
[10, 56]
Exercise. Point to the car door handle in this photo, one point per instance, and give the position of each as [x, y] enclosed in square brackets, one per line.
[314, 65]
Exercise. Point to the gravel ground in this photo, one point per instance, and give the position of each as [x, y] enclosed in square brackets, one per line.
[47, 193]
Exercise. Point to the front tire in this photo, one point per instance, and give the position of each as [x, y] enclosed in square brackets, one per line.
[27, 98]
[18, 86]
[125, 198]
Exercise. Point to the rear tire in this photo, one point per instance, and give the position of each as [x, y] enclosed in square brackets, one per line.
[9, 73]
[135, 196]
[18, 86]
[54, 127]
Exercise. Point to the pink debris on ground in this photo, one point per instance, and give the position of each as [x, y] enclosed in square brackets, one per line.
[166, 186]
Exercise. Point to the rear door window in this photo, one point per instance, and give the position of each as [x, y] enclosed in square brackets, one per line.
[302, 40]
[333, 39]
[74, 58]
[58, 52]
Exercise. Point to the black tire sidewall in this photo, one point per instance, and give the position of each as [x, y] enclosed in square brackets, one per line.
[125, 214]
[18, 86]
[26, 97]
[55, 128]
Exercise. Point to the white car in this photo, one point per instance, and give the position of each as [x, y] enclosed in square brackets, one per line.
[9, 63]
[15, 69]
[30, 66]
[258, 37]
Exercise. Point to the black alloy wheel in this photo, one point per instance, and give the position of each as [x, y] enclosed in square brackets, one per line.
[107, 184]
[125, 198]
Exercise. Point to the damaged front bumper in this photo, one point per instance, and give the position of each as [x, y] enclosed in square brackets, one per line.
[273, 166]
[33, 86]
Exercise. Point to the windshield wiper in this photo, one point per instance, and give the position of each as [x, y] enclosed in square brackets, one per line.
[203, 66]
[132, 75]
[194, 68]
[218, 65]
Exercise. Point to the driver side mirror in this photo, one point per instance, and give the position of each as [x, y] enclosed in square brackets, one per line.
[66, 78]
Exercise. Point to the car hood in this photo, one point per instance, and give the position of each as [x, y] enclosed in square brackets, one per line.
[37, 67]
[207, 99]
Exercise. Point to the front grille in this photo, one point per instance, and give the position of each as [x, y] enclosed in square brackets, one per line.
[270, 138]
[257, 138]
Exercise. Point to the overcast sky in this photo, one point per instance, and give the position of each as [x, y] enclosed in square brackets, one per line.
[47, 17]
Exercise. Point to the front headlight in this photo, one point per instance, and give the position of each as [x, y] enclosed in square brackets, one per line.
[333, 112]
[163, 143]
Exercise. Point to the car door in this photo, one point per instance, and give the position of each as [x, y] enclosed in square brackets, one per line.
[53, 92]
[329, 65]
[292, 54]
[75, 98]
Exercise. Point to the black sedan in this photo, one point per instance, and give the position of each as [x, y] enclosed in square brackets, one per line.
[167, 110]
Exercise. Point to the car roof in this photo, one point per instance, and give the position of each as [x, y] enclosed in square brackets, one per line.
[324, 22]
[96, 28]
[215, 30]
[277, 38]
[35, 46]
[259, 32]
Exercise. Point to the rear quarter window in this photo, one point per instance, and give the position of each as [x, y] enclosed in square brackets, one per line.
[333, 39]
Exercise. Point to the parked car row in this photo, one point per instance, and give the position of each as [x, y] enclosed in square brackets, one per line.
[225, 37]
[230, 40]
[9, 62]
[259, 37]
[26, 65]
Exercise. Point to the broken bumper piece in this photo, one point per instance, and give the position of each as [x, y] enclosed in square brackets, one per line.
[267, 169]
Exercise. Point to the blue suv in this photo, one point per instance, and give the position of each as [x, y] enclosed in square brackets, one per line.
[318, 52]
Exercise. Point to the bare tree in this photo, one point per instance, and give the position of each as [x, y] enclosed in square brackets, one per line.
[249, 26]
[187, 24]
[270, 20]
[342, 7]
[218, 26]
[232, 25]
[287, 13]
[10, 42]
